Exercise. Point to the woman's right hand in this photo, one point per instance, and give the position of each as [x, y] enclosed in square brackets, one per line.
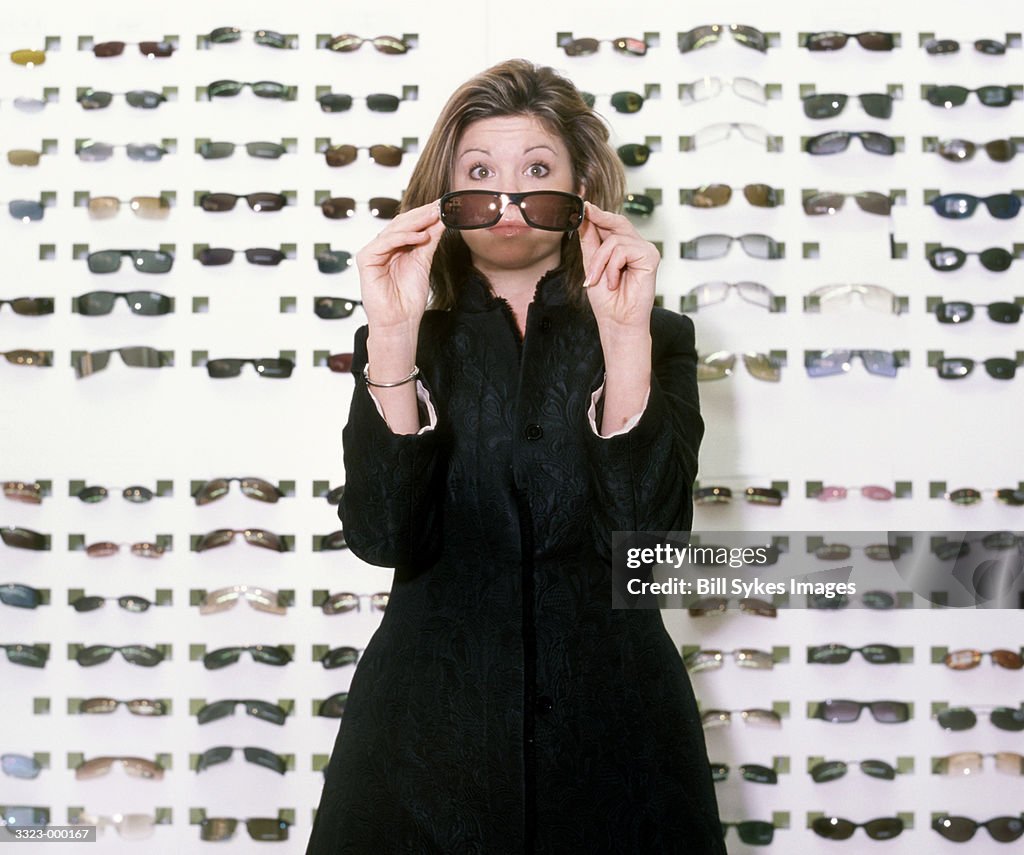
[394, 271]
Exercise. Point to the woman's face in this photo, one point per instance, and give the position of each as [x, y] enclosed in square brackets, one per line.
[512, 154]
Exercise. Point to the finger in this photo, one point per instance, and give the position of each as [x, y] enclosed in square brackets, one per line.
[608, 223]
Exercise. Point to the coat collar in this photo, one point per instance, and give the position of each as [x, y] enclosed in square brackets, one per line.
[476, 295]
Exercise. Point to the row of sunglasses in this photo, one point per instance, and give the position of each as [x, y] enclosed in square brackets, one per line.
[17, 537]
[954, 206]
[710, 659]
[37, 655]
[687, 41]
[203, 492]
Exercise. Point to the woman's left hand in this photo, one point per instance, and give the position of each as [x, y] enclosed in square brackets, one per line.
[621, 269]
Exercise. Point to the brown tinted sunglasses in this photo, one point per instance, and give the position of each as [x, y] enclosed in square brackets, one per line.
[254, 488]
[963, 660]
[106, 548]
[137, 767]
[343, 155]
[254, 536]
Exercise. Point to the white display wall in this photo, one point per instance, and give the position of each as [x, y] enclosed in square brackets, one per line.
[127, 426]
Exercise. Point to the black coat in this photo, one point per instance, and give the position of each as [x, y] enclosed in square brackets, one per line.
[502, 706]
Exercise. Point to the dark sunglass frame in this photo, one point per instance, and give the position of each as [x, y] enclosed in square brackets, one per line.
[832, 40]
[254, 488]
[833, 770]
[958, 206]
[836, 142]
[263, 710]
[257, 756]
[136, 654]
[258, 202]
[569, 215]
[836, 828]
[825, 105]
[894, 712]
[268, 654]
[143, 260]
[707, 34]
[960, 829]
[260, 256]
[956, 96]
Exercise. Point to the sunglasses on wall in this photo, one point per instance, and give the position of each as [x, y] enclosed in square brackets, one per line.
[875, 492]
[622, 102]
[958, 367]
[939, 47]
[261, 599]
[549, 210]
[960, 312]
[956, 96]
[711, 87]
[845, 711]
[128, 602]
[134, 357]
[260, 88]
[19, 596]
[960, 829]
[334, 308]
[23, 157]
[751, 717]
[218, 150]
[20, 766]
[752, 772]
[830, 362]
[106, 548]
[586, 47]
[946, 258]
[270, 368]
[963, 660]
[268, 654]
[143, 260]
[833, 770]
[346, 601]
[136, 767]
[347, 43]
[972, 763]
[145, 207]
[957, 150]
[343, 155]
[338, 102]
[745, 657]
[262, 710]
[718, 605]
[633, 154]
[709, 34]
[334, 261]
[334, 706]
[136, 654]
[868, 201]
[253, 536]
[99, 151]
[721, 363]
[964, 718]
[756, 832]
[835, 142]
[147, 49]
[136, 706]
[30, 305]
[26, 210]
[226, 35]
[718, 246]
[827, 105]
[97, 303]
[213, 257]
[129, 826]
[840, 297]
[254, 488]
[223, 828]
[957, 206]
[838, 654]
[343, 207]
[717, 195]
[143, 99]
[835, 828]
[22, 491]
[709, 293]
[27, 56]
[831, 40]
[30, 655]
[23, 538]
[258, 202]
[258, 756]
[723, 496]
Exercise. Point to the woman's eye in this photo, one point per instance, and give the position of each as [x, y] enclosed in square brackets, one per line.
[538, 170]
[479, 172]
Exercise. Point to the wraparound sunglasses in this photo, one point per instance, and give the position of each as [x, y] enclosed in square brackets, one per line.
[623, 44]
[550, 210]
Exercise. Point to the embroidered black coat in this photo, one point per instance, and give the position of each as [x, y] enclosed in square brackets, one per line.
[502, 706]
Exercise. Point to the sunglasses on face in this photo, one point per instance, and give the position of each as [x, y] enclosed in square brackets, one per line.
[97, 151]
[957, 150]
[718, 246]
[229, 367]
[254, 488]
[218, 150]
[834, 828]
[106, 548]
[347, 601]
[19, 596]
[144, 99]
[963, 660]
[718, 606]
[136, 706]
[717, 195]
[223, 828]
[831, 40]
[827, 105]
[20, 766]
[30, 655]
[334, 261]
[337, 102]
[755, 832]
[259, 202]
[586, 47]
[828, 363]
[23, 538]
[752, 717]
[723, 496]
[835, 142]
[214, 257]
[334, 308]
[955, 96]
[260, 599]
[225, 35]
[706, 660]
[844, 711]
[136, 654]
[143, 260]
[718, 365]
[23, 157]
[128, 602]
[253, 536]
[622, 102]
[343, 207]
[343, 155]
[139, 302]
[964, 718]
[262, 710]
[259, 756]
[837, 654]
[723, 130]
[137, 767]
[958, 367]
[960, 312]
[268, 654]
[832, 770]
[129, 826]
[549, 210]
[972, 763]
[347, 43]
[147, 49]
[260, 88]
[957, 206]
[711, 87]
[831, 203]
[938, 47]
[709, 293]
[839, 297]
[960, 829]
[751, 772]
[946, 258]
[708, 34]
[26, 210]
[30, 305]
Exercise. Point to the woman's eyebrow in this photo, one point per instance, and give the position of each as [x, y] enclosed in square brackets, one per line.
[468, 150]
[541, 145]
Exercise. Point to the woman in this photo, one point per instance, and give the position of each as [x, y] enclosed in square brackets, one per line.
[494, 444]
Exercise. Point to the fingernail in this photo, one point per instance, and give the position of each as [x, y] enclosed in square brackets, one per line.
[586, 283]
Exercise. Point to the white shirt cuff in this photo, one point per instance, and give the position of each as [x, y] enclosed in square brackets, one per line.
[424, 398]
[628, 426]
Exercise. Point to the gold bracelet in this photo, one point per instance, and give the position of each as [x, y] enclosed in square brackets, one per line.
[412, 376]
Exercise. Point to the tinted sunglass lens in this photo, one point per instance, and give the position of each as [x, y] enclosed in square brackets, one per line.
[995, 96]
[341, 155]
[957, 150]
[558, 212]
[269, 89]
[386, 155]
[144, 99]
[959, 829]
[1004, 313]
[880, 654]
[271, 655]
[936, 47]
[88, 604]
[266, 711]
[830, 654]
[216, 150]
[580, 47]
[384, 208]
[833, 828]
[627, 102]
[711, 196]
[470, 210]
[760, 195]
[338, 207]
[1001, 368]
[334, 706]
[224, 88]
[890, 712]
[824, 106]
[885, 828]
[1003, 206]
[826, 41]
[266, 150]
[948, 258]
[382, 103]
[756, 832]
[267, 829]
[138, 655]
[133, 603]
[990, 47]
[218, 201]
[156, 49]
[92, 100]
[147, 151]
[633, 154]
[875, 40]
[266, 201]
[333, 261]
[878, 143]
[264, 256]
[19, 596]
[221, 658]
[1005, 829]
[214, 257]
[877, 105]
[20, 766]
[214, 711]
[1001, 150]
[996, 259]
[219, 368]
[639, 205]
[947, 96]
[25, 209]
[878, 769]
[339, 657]
[759, 774]
[274, 368]
[830, 770]
[335, 102]
[833, 142]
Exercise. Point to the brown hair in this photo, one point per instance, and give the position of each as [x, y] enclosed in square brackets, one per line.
[515, 87]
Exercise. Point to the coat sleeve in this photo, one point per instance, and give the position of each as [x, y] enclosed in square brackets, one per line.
[642, 480]
[390, 508]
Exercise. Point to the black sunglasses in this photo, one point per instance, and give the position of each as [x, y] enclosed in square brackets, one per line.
[964, 718]
[128, 602]
[752, 772]
[91, 99]
[338, 102]
[994, 258]
[263, 710]
[334, 706]
[333, 261]
[755, 832]
[260, 88]
[339, 657]
[622, 44]
[708, 34]
[957, 150]
[139, 302]
[622, 102]
[834, 142]
[843, 711]
[837, 654]
[136, 706]
[955, 96]
[835, 828]
[218, 150]
[148, 49]
[832, 770]
[831, 40]
[937, 47]
[550, 210]
[269, 38]
[333, 308]
[956, 367]
[31, 655]
[30, 305]
[827, 105]
[143, 260]
[216, 256]
[959, 312]
[136, 654]
[259, 756]
[957, 206]
[230, 367]
[259, 202]
[254, 488]
[268, 654]
[343, 207]
[960, 829]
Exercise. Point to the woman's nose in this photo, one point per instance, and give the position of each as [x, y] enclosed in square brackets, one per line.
[512, 214]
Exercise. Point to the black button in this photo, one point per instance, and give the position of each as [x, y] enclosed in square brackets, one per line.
[534, 432]
[545, 704]
[545, 325]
